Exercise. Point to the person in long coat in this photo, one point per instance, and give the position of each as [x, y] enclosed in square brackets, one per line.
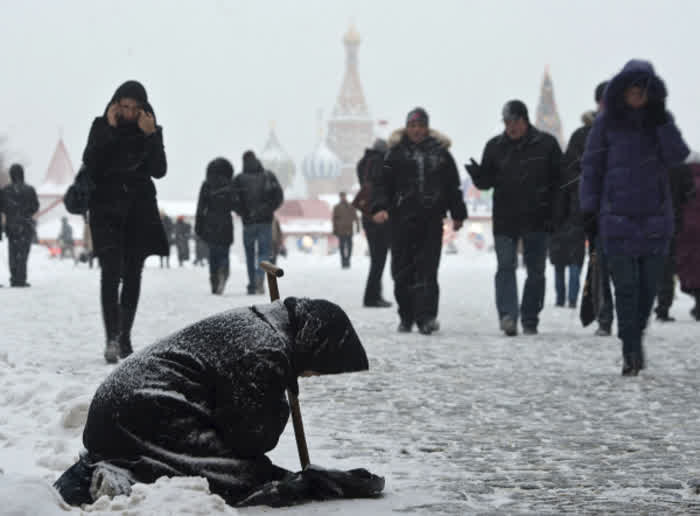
[214, 221]
[625, 183]
[209, 400]
[183, 232]
[123, 153]
[688, 246]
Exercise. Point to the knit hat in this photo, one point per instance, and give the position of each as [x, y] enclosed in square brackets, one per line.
[515, 110]
[600, 91]
[417, 115]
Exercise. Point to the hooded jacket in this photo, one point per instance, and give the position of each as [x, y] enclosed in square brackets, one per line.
[258, 191]
[121, 162]
[625, 167]
[524, 175]
[19, 203]
[419, 179]
[217, 199]
[210, 399]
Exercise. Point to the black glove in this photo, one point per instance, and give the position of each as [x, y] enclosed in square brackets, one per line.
[473, 168]
[656, 113]
[590, 226]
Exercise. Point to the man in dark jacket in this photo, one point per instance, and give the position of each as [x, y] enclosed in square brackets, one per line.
[19, 203]
[213, 223]
[682, 190]
[419, 184]
[209, 400]
[259, 194]
[522, 165]
[625, 182]
[344, 224]
[369, 171]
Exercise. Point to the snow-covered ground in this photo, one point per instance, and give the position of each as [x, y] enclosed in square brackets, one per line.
[466, 421]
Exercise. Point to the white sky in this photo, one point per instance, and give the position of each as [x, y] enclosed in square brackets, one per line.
[217, 72]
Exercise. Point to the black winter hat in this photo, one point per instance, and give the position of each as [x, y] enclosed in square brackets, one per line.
[17, 173]
[514, 110]
[600, 91]
[324, 338]
[220, 167]
[418, 115]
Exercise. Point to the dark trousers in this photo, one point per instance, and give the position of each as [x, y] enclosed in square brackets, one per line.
[607, 306]
[116, 269]
[260, 234]
[636, 280]
[534, 256]
[416, 246]
[378, 240]
[667, 284]
[18, 250]
[345, 247]
[218, 258]
[560, 283]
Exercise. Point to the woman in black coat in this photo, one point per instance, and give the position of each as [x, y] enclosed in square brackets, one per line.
[213, 222]
[209, 401]
[124, 151]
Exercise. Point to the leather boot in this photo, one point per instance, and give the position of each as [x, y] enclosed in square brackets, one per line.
[110, 316]
[127, 322]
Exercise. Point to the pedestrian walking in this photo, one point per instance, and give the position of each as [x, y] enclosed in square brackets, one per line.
[523, 166]
[214, 222]
[688, 250]
[369, 171]
[169, 229]
[625, 182]
[65, 239]
[418, 185]
[345, 222]
[123, 153]
[259, 195]
[183, 233]
[19, 203]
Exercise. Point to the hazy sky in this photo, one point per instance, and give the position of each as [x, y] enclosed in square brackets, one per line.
[217, 72]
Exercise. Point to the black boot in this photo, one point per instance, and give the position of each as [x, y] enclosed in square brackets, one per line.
[632, 363]
[127, 322]
[221, 278]
[213, 283]
[110, 316]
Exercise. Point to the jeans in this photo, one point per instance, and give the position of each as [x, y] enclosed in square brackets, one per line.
[218, 258]
[636, 280]
[607, 307]
[560, 283]
[378, 241]
[262, 235]
[534, 256]
[345, 250]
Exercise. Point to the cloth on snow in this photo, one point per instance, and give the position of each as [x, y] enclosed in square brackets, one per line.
[210, 400]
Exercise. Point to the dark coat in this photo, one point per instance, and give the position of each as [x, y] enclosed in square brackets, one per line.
[217, 199]
[19, 203]
[369, 171]
[419, 180]
[568, 243]
[169, 229]
[259, 193]
[625, 167]
[210, 399]
[688, 242]
[123, 207]
[183, 232]
[524, 176]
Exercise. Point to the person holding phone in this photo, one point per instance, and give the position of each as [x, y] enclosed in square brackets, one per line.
[123, 153]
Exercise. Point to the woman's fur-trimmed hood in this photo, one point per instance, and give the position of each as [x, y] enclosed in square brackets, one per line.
[399, 134]
[635, 72]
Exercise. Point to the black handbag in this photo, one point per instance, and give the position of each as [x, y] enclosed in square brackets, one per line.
[77, 197]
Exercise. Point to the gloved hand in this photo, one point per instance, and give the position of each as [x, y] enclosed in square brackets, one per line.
[656, 112]
[473, 168]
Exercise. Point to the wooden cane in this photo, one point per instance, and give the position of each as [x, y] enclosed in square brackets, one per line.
[273, 272]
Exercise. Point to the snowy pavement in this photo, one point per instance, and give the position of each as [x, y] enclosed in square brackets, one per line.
[463, 422]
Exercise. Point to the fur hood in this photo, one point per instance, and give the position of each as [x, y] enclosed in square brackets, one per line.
[635, 72]
[398, 135]
[588, 118]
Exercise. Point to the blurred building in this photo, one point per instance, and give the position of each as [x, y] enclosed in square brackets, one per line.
[322, 170]
[547, 115]
[274, 158]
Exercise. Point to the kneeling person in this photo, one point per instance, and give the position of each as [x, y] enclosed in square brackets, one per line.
[209, 400]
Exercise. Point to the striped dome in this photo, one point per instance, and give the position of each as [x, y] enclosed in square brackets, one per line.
[322, 163]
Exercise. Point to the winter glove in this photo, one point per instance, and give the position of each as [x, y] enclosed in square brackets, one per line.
[657, 114]
[473, 168]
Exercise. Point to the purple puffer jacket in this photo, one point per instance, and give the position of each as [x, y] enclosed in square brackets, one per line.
[688, 244]
[625, 168]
